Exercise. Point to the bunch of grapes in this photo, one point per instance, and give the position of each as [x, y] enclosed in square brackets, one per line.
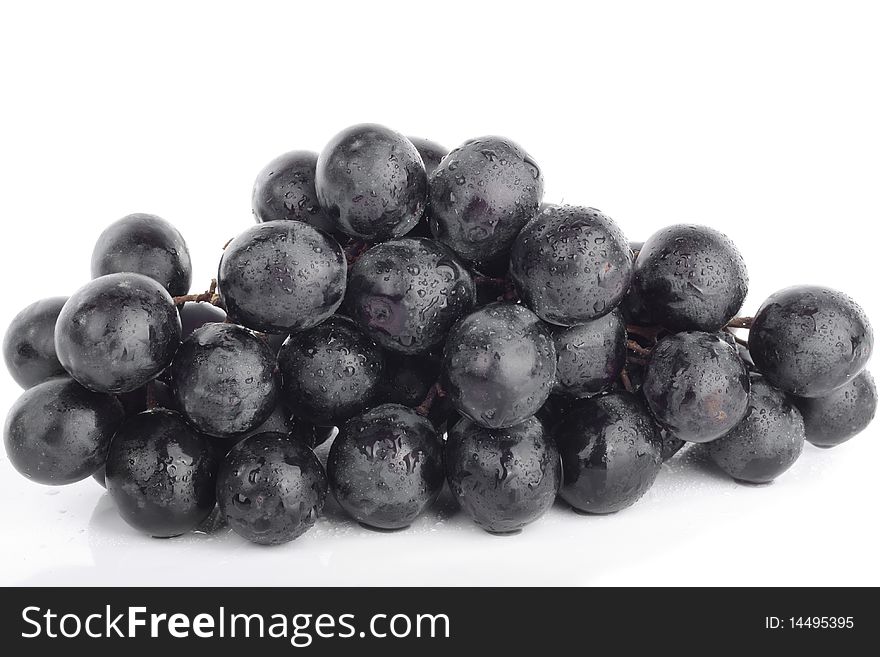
[429, 314]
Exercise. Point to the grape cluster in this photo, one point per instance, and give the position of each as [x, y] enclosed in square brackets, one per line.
[447, 326]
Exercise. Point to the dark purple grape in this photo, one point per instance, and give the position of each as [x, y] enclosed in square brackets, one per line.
[406, 294]
[271, 489]
[503, 478]
[610, 453]
[696, 386]
[431, 152]
[282, 277]
[842, 413]
[154, 394]
[117, 332]
[371, 182]
[196, 315]
[29, 343]
[330, 372]
[161, 474]
[386, 466]
[809, 340]
[690, 277]
[482, 194]
[499, 365]
[571, 265]
[224, 380]
[285, 190]
[767, 441]
[144, 244]
[590, 356]
[58, 432]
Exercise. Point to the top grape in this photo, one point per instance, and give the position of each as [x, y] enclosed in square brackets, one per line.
[372, 182]
[482, 194]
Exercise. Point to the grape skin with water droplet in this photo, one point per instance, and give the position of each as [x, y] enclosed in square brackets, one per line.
[767, 441]
[281, 277]
[386, 466]
[58, 432]
[224, 380]
[371, 182]
[571, 265]
[809, 340]
[610, 453]
[696, 386]
[29, 343]
[833, 419]
[690, 278]
[117, 332]
[406, 294]
[589, 356]
[144, 244]
[161, 474]
[271, 489]
[482, 194]
[285, 190]
[330, 373]
[499, 365]
[503, 479]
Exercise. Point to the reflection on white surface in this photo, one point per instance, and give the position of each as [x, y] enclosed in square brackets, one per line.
[694, 526]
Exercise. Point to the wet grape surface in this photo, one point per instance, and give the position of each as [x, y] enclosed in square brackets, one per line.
[117, 332]
[281, 277]
[420, 333]
[406, 294]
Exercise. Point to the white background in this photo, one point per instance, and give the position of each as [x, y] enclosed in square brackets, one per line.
[761, 119]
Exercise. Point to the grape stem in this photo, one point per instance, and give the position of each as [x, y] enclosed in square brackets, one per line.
[625, 380]
[634, 346]
[151, 395]
[741, 322]
[210, 296]
[435, 392]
